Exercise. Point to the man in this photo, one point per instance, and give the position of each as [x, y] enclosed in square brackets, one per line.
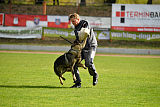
[88, 52]
[54, 2]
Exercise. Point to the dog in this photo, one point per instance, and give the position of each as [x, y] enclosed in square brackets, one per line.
[67, 61]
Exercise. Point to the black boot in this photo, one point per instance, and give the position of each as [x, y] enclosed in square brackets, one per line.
[76, 85]
[95, 79]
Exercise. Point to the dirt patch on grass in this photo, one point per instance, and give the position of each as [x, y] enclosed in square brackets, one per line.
[60, 53]
[55, 41]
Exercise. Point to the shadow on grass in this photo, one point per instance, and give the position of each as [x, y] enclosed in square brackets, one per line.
[27, 86]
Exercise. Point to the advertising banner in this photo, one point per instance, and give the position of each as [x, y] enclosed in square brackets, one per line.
[138, 18]
[1, 19]
[58, 21]
[138, 36]
[132, 1]
[21, 32]
[53, 21]
[36, 20]
[97, 22]
[69, 33]
[25, 20]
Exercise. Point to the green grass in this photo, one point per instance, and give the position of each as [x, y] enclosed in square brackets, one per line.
[28, 80]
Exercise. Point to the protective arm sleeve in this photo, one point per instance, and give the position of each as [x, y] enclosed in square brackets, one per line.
[84, 24]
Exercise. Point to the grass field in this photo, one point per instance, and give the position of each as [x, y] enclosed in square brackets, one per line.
[28, 80]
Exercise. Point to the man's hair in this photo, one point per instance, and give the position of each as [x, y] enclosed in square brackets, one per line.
[74, 15]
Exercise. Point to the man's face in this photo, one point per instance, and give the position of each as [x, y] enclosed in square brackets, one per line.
[74, 21]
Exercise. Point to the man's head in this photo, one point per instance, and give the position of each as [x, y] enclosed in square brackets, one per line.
[74, 18]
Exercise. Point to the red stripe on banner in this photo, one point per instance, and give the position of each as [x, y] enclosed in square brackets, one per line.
[61, 25]
[1, 19]
[136, 29]
[41, 17]
[15, 20]
[20, 20]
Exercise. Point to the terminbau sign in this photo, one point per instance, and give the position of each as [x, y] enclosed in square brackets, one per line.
[131, 17]
[137, 14]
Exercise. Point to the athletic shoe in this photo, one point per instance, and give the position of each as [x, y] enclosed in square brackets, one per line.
[95, 80]
[77, 85]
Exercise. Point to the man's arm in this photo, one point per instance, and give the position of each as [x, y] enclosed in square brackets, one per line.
[76, 34]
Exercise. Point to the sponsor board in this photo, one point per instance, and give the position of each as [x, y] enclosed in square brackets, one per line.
[97, 22]
[53, 21]
[138, 36]
[21, 32]
[69, 33]
[25, 20]
[58, 21]
[36, 21]
[138, 18]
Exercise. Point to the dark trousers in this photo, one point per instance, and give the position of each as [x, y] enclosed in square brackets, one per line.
[88, 56]
[54, 2]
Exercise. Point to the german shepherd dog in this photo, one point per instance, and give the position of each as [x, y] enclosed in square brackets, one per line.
[67, 61]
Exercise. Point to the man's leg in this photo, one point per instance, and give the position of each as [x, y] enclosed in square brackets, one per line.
[54, 2]
[92, 71]
[89, 57]
[76, 71]
[58, 2]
